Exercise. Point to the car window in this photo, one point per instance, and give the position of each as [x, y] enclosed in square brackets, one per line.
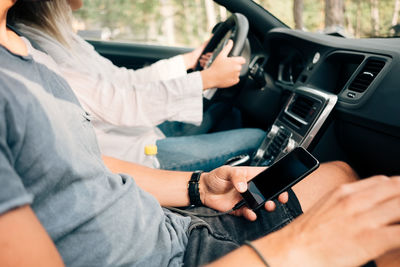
[350, 18]
[167, 22]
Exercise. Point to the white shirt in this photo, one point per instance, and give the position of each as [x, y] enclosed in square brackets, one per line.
[125, 105]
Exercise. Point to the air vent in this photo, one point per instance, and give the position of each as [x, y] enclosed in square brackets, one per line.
[302, 107]
[368, 73]
[301, 110]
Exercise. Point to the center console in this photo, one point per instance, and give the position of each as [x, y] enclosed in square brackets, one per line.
[296, 125]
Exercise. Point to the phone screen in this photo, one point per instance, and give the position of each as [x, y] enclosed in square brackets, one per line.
[279, 177]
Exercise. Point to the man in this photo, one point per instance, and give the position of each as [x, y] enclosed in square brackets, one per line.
[58, 199]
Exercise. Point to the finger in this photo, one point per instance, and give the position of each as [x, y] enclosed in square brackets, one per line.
[239, 179]
[284, 197]
[238, 60]
[206, 56]
[249, 214]
[385, 213]
[228, 47]
[354, 197]
[240, 184]
[363, 184]
[203, 62]
[379, 190]
[270, 205]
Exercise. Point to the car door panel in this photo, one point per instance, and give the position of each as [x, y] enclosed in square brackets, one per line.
[132, 55]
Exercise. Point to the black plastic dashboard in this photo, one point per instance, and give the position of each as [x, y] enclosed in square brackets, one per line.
[364, 74]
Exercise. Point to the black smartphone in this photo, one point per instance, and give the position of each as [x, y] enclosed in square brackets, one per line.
[279, 177]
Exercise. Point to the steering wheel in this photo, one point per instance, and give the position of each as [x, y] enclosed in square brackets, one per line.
[235, 28]
[219, 105]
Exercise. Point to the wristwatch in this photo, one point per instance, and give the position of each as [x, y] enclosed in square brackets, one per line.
[193, 189]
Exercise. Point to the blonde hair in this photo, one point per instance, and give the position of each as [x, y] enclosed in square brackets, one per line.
[54, 17]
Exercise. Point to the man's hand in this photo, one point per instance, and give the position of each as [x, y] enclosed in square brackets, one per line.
[224, 71]
[348, 227]
[220, 189]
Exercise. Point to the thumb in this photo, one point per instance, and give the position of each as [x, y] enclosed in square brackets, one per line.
[240, 184]
[228, 47]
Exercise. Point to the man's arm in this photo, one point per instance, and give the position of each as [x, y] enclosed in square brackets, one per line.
[169, 187]
[219, 189]
[24, 242]
[350, 226]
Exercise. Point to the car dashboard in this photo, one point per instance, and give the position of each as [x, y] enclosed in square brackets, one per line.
[331, 94]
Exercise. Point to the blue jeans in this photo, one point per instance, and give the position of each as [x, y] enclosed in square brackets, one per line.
[213, 237]
[206, 151]
[218, 117]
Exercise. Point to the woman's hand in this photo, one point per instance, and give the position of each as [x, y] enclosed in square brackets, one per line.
[220, 189]
[224, 71]
[194, 56]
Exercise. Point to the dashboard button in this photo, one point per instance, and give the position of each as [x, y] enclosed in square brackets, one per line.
[351, 95]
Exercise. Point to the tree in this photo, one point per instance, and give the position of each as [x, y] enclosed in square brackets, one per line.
[357, 31]
[375, 17]
[334, 15]
[396, 12]
[222, 13]
[167, 14]
[211, 18]
[298, 14]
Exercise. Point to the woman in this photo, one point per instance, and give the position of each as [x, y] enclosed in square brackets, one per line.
[126, 105]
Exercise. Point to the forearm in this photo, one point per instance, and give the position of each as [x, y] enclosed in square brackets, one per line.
[141, 105]
[169, 187]
[246, 256]
[272, 249]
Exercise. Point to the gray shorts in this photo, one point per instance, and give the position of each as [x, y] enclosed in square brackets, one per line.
[212, 237]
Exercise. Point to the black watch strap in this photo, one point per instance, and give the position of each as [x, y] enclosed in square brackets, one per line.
[193, 189]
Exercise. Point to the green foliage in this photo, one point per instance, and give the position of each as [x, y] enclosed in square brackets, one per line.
[145, 20]
[358, 21]
[185, 22]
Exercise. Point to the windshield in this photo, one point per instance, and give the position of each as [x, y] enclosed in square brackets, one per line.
[350, 18]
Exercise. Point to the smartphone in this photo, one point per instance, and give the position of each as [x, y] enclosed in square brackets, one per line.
[279, 177]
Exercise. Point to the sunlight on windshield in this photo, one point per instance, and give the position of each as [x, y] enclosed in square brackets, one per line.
[351, 18]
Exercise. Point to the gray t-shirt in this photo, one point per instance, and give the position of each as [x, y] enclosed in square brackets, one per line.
[49, 158]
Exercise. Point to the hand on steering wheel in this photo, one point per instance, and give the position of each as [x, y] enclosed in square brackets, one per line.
[223, 69]
[235, 28]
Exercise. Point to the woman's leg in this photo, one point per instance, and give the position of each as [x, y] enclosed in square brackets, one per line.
[207, 151]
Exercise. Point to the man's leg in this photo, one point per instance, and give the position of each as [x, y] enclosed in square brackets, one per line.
[327, 177]
[207, 151]
[213, 237]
